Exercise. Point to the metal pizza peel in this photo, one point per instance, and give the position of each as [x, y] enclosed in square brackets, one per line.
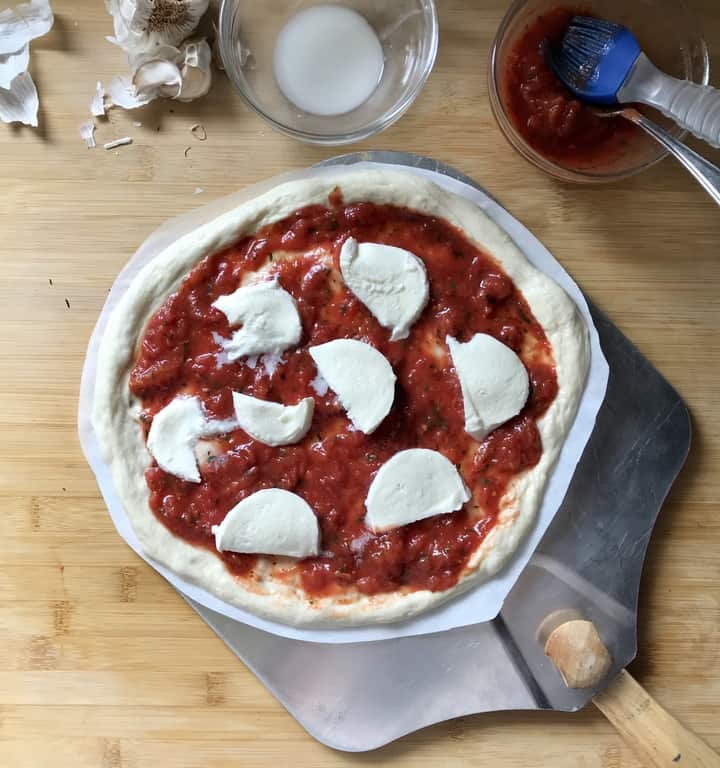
[577, 596]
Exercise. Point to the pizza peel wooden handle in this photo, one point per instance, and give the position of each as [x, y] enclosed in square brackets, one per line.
[657, 738]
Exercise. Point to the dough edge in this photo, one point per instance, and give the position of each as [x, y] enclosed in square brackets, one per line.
[122, 447]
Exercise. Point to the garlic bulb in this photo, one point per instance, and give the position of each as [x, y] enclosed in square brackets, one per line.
[161, 65]
[142, 25]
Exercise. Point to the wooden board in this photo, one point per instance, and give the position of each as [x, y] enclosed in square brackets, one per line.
[101, 663]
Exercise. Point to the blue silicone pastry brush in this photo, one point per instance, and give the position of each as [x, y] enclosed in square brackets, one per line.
[602, 63]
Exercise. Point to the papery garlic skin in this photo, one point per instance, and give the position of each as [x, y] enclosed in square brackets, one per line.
[121, 93]
[97, 103]
[87, 131]
[12, 64]
[25, 22]
[19, 101]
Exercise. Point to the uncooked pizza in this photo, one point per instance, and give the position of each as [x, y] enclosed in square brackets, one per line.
[340, 403]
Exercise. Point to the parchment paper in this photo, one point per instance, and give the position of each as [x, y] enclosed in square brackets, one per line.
[481, 603]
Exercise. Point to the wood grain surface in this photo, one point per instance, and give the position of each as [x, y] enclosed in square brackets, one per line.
[102, 665]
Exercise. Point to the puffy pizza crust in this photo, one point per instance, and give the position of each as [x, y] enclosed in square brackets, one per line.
[115, 410]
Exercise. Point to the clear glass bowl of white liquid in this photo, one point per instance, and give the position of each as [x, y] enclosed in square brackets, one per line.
[329, 73]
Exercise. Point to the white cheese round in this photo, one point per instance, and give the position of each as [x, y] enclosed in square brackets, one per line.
[494, 382]
[273, 423]
[360, 376]
[391, 282]
[269, 317]
[413, 485]
[269, 522]
[172, 437]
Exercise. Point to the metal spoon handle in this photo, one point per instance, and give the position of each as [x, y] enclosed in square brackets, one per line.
[707, 174]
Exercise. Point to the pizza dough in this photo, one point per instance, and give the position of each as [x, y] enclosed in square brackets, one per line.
[115, 413]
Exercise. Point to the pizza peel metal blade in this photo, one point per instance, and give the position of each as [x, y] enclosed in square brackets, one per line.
[360, 696]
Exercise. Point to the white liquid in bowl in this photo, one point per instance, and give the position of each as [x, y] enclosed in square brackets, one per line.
[328, 60]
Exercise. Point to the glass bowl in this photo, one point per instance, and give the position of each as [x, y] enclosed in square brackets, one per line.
[667, 32]
[408, 33]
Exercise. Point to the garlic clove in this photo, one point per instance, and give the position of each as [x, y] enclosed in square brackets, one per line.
[25, 22]
[196, 71]
[157, 73]
[12, 64]
[157, 78]
[19, 103]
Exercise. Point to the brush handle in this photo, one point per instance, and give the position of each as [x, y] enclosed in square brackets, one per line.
[696, 108]
[707, 174]
[693, 107]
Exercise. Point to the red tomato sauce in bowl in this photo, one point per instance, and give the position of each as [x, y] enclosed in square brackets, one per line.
[545, 113]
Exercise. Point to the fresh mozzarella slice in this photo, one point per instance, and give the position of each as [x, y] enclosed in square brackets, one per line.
[172, 437]
[413, 485]
[360, 376]
[494, 382]
[269, 317]
[273, 423]
[391, 282]
[269, 522]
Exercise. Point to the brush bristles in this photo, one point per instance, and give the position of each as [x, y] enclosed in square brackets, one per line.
[566, 72]
[598, 26]
[585, 43]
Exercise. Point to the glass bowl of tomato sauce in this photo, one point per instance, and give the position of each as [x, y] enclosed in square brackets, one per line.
[542, 119]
